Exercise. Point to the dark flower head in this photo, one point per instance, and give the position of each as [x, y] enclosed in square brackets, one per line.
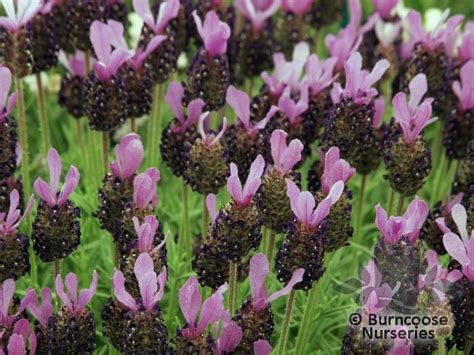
[408, 226]
[148, 282]
[50, 192]
[174, 98]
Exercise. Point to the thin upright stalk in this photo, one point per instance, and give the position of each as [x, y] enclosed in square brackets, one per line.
[87, 59]
[360, 205]
[44, 127]
[154, 127]
[56, 268]
[307, 317]
[401, 200]
[441, 173]
[441, 346]
[105, 150]
[184, 244]
[22, 126]
[205, 218]
[232, 286]
[133, 125]
[391, 196]
[270, 244]
[286, 323]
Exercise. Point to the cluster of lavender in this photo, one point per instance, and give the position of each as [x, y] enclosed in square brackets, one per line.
[440, 292]
[304, 102]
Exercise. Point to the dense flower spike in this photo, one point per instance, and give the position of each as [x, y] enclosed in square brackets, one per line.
[207, 158]
[430, 52]
[72, 93]
[272, 196]
[72, 329]
[338, 223]
[255, 43]
[44, 38]
[192, 337]
[15, 38]
[107, 98]
[117, 187]
[56, 229]
[255, 316]
[375, 298]
[460, 122]
[181, 131]
[303, 246]
[406, 157]
[208, 73]
[14, 258]
[143, 203]
[8, 143]
[135, 325]
[137, 76]
[163, 59]
[150, 240]
[245, 139]
[399, 243]
[350, 122]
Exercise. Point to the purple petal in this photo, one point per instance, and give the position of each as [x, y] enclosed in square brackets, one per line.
[16, 345]
[418, 88]
[70, 184]
[262, 347]
[323, 208]
[381, 220]
[212, 310]
[5, 84]
[168, 11]
[295, 278]
[174, 98]
[195, 109]
[162, 278]
[44, 192]
[61, 294]
[460, 218]
[142, 8]
[86, 295]
[230, 338]
[455, 247]
[7, 291]
[71, 285]
[118, 285]
[293, 193]
[100, 38]
[240, 102]
[190, 301]
[54, 164]
[278, 145]
[211, 207]
[129, 153]
[259, 270]
[379, 104]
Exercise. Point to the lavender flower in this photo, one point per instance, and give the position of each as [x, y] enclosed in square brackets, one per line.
[7, 126]
[72, 329]
[303, 246]
[21, 336]
[208, 73]
[129, 321]
[255, 316]
[41, 312]
[275, 204]
[14, 257]
[407, 159]
[15, 33]
[56, 229]
[7, 292]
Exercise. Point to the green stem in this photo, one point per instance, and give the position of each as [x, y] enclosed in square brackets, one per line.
[133, 125]
[105, 150]
[232, 286]
[286, 324]
[391, 197]
[401, 200]
[205, 219]
[360, 206]
[154, 127]
[44, 127]
[56, 268]
[441, 346]
[270, 244]
[184, 244]
[439, 177]
[307, 318]
[22, 126]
